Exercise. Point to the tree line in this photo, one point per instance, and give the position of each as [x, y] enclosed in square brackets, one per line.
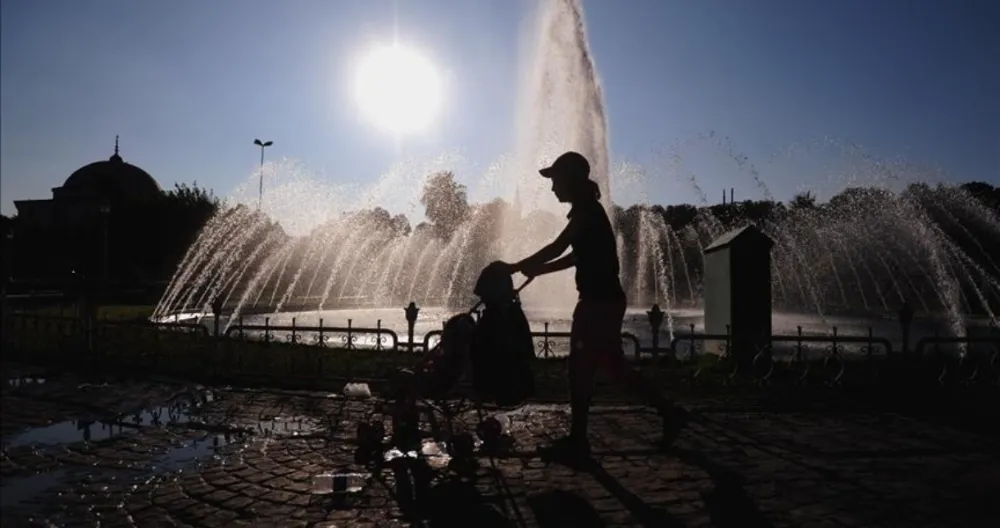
[863, 243]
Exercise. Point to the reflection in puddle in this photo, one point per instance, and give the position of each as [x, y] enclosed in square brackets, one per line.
[281, 426]
[193, 452]
[25, 381]
[30, 493]
[72, 431]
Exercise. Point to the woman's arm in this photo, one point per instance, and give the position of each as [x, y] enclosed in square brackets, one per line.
[551, 251]
[565, 262]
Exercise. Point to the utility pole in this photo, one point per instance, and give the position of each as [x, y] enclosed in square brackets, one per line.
[262, 145]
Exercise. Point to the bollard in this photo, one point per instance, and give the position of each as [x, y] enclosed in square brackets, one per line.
[411, 311]
[217, 313]
[655, 316]
[729, 340]
[905, 321]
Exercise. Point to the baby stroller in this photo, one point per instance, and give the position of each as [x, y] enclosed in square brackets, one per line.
[494, 352]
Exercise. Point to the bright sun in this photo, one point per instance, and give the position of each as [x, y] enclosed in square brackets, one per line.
[398, 89]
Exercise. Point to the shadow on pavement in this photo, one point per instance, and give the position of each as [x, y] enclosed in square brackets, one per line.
[454, 503]
[727, 503]
[558, 508]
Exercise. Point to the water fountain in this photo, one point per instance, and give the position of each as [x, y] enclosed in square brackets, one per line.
[866, 252]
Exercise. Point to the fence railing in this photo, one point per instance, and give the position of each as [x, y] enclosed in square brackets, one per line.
[793, 352]
[349, 337]
[964, 359]
[545, 342]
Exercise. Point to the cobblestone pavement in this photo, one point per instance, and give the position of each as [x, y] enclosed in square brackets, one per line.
[196, 456]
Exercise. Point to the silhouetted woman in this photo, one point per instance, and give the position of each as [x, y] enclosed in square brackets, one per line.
[595, 340]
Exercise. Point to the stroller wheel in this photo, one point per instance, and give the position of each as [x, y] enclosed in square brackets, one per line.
[462, 446]
[370, 434]
[489, 430]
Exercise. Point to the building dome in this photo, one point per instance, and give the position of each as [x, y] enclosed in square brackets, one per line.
[114, 180]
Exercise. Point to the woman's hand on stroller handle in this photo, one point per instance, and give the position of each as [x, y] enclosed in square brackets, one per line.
[507, 267]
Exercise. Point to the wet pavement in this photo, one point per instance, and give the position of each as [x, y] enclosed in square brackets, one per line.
[79, 453]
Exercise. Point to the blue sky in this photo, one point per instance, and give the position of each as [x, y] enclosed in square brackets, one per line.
[188, 84]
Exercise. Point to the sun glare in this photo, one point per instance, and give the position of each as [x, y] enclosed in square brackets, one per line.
[398, 89]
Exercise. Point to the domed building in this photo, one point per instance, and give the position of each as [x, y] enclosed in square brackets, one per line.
[93, 225]
[89, 190]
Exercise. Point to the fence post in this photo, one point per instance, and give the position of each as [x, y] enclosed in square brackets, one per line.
[545, 341]
[691, 350]
[798, 345]
[321, 342]
[378, 335]
[294, 337]
[350, 342]
[217, 313]
[871, 342]
[267, 330]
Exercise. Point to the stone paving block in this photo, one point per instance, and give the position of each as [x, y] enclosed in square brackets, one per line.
[258, 452]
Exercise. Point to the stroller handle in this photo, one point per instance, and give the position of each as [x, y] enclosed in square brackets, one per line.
[517, 291]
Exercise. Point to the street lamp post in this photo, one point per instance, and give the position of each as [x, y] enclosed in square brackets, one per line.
[9, 262]
[105, 212]
[262, 145]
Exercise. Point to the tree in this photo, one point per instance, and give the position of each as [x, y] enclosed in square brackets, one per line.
[445, 203]
[401, 225]
[803, 201]
[987, 194]
[166, 228]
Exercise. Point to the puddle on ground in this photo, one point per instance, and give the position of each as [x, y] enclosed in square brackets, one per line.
[29, 493]
[179, 413]
[21, 491]
[190, 453]
[73, 431]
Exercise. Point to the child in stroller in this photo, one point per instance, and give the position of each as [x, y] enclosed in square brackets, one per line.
[496, 351]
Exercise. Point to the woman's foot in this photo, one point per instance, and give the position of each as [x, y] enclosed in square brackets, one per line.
[674, 419]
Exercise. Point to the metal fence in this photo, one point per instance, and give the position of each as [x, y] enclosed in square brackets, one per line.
[798, 357]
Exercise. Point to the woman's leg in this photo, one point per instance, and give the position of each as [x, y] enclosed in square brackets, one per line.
[623, 373]
[582, 369]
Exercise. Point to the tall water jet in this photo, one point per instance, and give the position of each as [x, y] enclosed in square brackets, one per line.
[561, 109]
